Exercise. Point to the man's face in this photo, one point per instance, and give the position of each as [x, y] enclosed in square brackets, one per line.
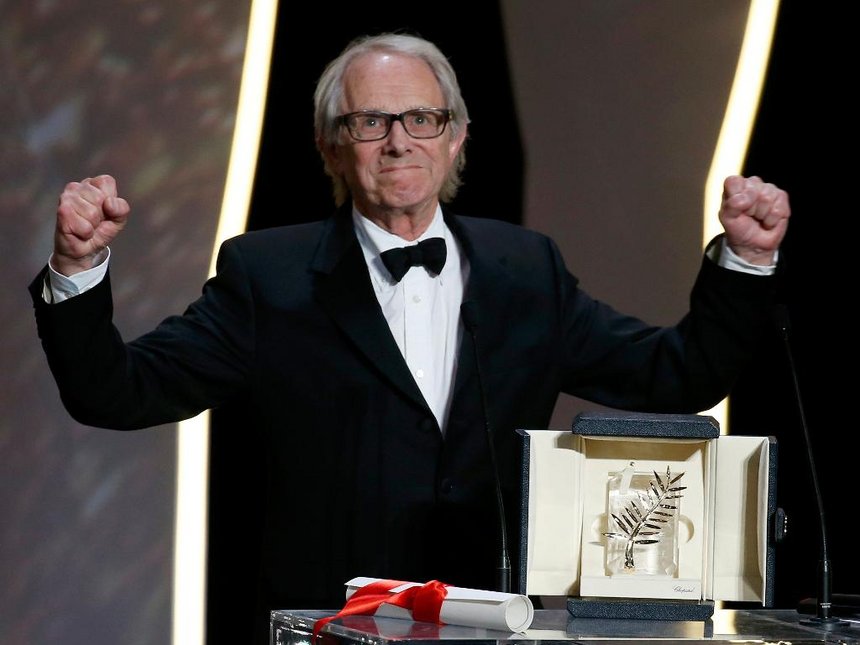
[398, 174]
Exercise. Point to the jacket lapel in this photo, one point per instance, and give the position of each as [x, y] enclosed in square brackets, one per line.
[344, 290]
[486, 290]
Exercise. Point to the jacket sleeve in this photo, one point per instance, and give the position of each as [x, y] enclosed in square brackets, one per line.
[622, 362]
[185, 365]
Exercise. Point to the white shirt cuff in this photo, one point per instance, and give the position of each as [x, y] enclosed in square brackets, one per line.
[59, 287]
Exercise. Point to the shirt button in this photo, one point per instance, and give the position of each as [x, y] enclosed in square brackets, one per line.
[419, 373]
[416, 299]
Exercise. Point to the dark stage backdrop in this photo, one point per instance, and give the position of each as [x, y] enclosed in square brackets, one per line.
[593, 121]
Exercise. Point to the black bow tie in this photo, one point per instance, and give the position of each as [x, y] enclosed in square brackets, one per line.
[429, 253]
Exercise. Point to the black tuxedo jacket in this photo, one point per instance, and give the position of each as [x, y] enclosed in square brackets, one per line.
[358, 479]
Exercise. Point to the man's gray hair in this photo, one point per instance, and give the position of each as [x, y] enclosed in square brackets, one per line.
[329, 94]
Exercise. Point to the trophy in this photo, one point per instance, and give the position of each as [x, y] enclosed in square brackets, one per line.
[643, 508]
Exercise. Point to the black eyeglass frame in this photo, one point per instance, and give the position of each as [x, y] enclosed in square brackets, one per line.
[343, 120]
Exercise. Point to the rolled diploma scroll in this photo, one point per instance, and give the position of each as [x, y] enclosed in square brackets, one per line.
[465, 607]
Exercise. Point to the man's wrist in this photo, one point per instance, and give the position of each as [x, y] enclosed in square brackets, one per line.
[69, 267]
[720, 252]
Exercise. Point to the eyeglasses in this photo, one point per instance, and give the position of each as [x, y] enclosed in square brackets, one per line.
[421, 123]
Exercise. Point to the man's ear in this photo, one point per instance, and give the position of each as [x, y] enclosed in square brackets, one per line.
[456, 143]
[331, 155]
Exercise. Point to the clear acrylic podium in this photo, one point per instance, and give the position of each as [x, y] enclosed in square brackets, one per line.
[559, 626]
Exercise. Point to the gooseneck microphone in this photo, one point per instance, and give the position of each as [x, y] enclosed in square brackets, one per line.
[824, 601]
[469, 314]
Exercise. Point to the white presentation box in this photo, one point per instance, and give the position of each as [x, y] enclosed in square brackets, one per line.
[634, 515]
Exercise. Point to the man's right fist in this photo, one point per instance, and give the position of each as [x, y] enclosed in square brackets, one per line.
[90, 214]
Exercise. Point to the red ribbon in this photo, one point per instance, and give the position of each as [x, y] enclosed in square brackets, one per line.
[423, 601]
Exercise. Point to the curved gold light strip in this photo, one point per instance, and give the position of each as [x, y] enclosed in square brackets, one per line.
[192, 470]
[738, 122]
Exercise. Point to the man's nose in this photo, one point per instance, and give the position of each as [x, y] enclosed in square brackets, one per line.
[398, 139]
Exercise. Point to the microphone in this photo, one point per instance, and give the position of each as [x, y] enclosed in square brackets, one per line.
[825, 581]
[469, 315]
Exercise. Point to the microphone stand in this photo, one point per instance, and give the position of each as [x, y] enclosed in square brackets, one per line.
[824, 601]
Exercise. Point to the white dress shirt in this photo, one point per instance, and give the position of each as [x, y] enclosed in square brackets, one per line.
[422, 310]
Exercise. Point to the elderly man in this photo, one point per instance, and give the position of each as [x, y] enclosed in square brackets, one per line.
[351, 365]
